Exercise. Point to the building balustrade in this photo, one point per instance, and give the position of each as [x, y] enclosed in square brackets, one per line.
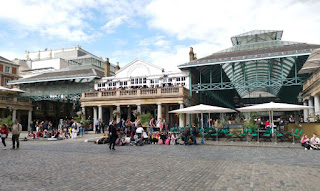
[13, 100]
[315, 77]
[136, 93]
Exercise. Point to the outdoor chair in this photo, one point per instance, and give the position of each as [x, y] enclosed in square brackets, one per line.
[217, 133]
[229, 135]
[298, 135]
[280, 136]
[243, 134]
[295, 132]
[267, 135]
[253, 133]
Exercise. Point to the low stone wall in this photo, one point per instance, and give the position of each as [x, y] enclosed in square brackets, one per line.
[308, 128]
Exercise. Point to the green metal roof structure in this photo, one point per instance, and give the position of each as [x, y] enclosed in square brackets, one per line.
[63, 84]
[259, 64]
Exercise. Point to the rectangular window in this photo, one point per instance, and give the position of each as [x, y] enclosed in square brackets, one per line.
[125, 83]
[99, 85]
[7, 69]
[170, 80]
[183, 79]
[144, 80]
[140, 80]
[6, 80]
[178, 79]
[132, 81]
[136, 81]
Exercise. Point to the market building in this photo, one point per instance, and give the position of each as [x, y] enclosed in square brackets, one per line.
[55, 79]
[139, 86]
[258, 68]
[311, 87]
[10, 101]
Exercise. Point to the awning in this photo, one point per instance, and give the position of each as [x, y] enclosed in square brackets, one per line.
[312, 64]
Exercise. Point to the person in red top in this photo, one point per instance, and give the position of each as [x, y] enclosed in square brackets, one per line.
[4, 134]
[267, 124]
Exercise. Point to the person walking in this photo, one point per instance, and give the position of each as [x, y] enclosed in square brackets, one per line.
[113, 135]
[16, 130]
[4, 134]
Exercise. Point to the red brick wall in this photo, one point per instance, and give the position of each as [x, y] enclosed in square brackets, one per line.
[1, 67]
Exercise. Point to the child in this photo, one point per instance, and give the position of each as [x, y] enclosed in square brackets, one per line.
[154, 138]
[173, 139]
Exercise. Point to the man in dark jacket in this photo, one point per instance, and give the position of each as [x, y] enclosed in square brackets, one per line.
[186, 134]
[195, 132]
[113, 135]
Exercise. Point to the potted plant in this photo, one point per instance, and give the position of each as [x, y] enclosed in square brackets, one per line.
[136, 113]
[116, 113]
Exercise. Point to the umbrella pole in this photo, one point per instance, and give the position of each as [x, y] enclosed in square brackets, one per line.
[202, 126]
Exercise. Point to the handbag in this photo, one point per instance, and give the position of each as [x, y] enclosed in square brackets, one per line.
[3, 136]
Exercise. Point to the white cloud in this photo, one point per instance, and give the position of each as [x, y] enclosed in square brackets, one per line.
[10, 55]
[63, 19]
[111, 25]
[217, 21]
[212, 23]
[158, 41]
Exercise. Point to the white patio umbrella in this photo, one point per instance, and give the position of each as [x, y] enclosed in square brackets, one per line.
[203, 109]
[17, 90]
[4, 88]
[271, 107]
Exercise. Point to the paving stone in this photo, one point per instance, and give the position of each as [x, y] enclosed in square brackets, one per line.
[76, 165]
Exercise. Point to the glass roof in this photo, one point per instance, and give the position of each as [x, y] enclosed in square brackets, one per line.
[258, 45]
[256, 36]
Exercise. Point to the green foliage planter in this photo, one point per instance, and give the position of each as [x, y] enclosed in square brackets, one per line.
[7, 121]
[144, 118]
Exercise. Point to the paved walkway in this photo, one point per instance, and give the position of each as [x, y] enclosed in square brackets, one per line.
[76, 165]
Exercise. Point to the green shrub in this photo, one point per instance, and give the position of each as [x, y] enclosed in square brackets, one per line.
[145, 117]
[7, 121]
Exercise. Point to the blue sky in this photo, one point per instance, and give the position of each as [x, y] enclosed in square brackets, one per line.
[158, 31]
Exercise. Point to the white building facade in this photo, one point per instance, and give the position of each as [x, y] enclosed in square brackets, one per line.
[140, 86]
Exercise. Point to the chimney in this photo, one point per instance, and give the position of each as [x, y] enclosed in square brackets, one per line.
[191, 54]
[107, 68]
[117, 68]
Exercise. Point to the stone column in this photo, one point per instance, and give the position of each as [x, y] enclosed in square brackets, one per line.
[129, 113]
[94, 118]
[118, 116]
[29, 118]
[159, 111]
[181, 116]
[83, 116]
[310, 103]
[139, 109]
[317, 104]
[14, 115]
[99, 112]
[305, 111]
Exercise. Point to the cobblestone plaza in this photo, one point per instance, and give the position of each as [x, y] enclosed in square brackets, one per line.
[76, 165]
